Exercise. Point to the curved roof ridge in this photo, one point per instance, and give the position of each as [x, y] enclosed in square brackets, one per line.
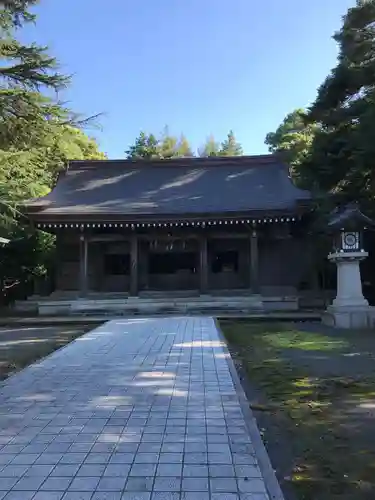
[246, 160]
[241, 184]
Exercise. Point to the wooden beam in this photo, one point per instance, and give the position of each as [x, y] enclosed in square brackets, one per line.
[254, 262]
[203, 271]
[83, 265]
[134, 265]
[190, 235]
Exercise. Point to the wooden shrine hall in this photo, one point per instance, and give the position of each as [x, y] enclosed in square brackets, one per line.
[189, 226]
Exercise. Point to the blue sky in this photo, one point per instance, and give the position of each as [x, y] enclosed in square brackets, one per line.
[199, 66]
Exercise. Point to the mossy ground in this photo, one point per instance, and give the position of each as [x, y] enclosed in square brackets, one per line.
[313, 393]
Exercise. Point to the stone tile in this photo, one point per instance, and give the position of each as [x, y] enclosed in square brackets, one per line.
[80, 448]
[130, 429]
[217, 438]
[6, 459]
[242, 448]
[220, 458]
[252, 471]
[13, 471]
[243, 459]
[91, 470]
[77, 495]
[149, 447]
[97, 458]
[8, 482]
[84, 484]
[65, 470]
[224, 496]
[127, 447]
[48, 495]
[25, 459]
[40, 470]
[254, 496]
[146, 458]
[218, 448]
[29, 483]
[165, 495]
[170, 458]
[49, 458]
[172, 447]
[20, 495]
[195, 471]
[122, 458]
[136, 495]
[169, 469]
[56, 448]
[223, 484]
[117, 470]
[221, 470]
[195, 484]
[111, 484]
[251, 485]
[56, 483]
[13, 449]
[197, 495]
[139, 484]
[196, 447]
[199, 458]
[143, 470]
[106, 495]
[73, 458]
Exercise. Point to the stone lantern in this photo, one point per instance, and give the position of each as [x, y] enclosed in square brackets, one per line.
[349, 309]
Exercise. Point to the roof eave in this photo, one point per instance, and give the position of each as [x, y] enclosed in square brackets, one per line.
[103, 217]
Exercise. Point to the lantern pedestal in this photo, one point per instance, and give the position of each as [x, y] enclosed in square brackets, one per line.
[349, 309]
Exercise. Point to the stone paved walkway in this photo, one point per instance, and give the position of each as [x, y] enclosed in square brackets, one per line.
[135, 410]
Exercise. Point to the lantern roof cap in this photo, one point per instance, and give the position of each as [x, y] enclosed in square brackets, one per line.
[349, 217]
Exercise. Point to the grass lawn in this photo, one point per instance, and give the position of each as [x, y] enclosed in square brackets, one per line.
[21, 346]
[312, 390]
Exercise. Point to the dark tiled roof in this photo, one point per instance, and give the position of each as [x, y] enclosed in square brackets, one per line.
[349, 217]
[188, 186]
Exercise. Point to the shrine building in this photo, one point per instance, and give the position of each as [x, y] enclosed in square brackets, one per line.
[191, 227]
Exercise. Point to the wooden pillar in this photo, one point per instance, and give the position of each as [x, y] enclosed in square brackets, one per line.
[254, 262]
[203, 268]
[134, 265]
[83, 265]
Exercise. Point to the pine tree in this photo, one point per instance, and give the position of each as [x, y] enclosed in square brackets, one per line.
[230, 147]
[293, 138]
[167, 145]
[145, 146]
[36, 137]
[170, 146]
[342, 158]
[183, 148]
[210, 148]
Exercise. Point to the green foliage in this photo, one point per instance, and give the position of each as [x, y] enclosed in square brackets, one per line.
[230, 147]
[183, 147]
[342, 154]
[331, 146]
[210, 148]
[145, 146]
[293, 139]
[14, 13]
[170, 146]
[166, 146]
[37, 137]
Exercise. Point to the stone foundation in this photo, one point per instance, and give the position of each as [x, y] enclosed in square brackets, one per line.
[360, 317]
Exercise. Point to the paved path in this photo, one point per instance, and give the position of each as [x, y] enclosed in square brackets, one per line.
[135, 410]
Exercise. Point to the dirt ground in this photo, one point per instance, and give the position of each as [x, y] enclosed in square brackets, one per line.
[312, 390]
[21, 346]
